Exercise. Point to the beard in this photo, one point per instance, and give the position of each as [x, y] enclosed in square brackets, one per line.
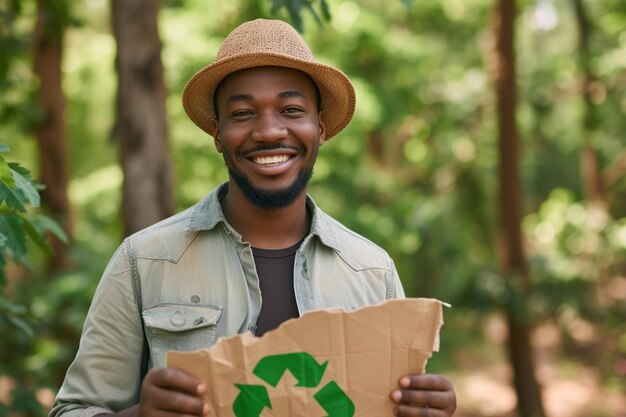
[271, 199]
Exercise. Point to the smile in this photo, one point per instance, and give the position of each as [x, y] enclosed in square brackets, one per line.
[270, 160]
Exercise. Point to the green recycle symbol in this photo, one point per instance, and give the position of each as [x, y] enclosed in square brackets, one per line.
[252, 399]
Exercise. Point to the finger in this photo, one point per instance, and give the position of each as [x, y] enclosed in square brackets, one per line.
[425, 382]
[176, 402]
[181, 403]
[175, 379]
[432, 399]
[412, 411]
[171, 390]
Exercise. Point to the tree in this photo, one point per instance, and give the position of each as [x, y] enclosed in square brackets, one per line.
[590, 166]
[141, 125]
[512, 258]
[52, 19]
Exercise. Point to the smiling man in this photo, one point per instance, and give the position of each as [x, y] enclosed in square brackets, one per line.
[253, 253]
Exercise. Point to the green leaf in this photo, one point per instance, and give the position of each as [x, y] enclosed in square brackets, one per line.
[314, 13]
[25, 172]
[35, 234]
[294, 7]
[275, 6]
[20, 324]
[6, 174]
[26, 186]
[11, 227]
[46, 223]
[3, 240]
[325, 10]
[15, 166]
[7, 307]
[4, 147]
[20, 190]
[11, 197]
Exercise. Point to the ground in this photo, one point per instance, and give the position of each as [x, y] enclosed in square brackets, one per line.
[568, 389]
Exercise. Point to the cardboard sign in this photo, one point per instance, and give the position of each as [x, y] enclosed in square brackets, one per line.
[325, 363]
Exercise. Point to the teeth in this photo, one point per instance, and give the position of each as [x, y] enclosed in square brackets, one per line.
[269, 160]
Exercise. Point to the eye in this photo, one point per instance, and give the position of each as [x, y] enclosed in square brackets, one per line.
[241, 113]
[293, 110]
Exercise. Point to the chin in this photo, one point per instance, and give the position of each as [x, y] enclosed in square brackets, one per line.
[272, 198]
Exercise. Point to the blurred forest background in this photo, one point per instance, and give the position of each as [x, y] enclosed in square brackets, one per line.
[487, 155]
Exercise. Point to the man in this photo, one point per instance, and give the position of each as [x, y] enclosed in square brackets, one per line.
[252, 254]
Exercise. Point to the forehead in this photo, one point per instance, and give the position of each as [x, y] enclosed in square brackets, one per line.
[260, 80]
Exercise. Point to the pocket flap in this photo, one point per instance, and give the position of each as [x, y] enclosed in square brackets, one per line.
[180, 317]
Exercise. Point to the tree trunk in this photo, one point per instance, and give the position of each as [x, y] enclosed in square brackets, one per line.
[590, 167]
[50, 133]
[141, 125]
[512, 259]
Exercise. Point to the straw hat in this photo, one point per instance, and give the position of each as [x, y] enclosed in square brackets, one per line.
[269, 43]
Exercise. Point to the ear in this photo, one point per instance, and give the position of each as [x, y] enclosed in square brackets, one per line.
[322, 128]
[216, 136]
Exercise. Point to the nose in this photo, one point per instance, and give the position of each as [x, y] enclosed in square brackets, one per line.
[269, 128]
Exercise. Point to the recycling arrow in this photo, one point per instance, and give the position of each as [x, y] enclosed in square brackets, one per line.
[334, 401]
[302, 366]
[251, 400]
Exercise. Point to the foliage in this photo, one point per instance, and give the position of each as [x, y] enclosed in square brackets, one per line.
[295, 8]
[16, 81]
[578, 265]
[17, 192]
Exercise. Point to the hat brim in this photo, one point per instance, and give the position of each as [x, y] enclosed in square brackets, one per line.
[337, 94]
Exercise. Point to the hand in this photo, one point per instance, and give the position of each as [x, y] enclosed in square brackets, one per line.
[169, 392]
[424, 395]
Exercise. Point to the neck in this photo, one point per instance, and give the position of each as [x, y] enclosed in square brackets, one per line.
[266, 228]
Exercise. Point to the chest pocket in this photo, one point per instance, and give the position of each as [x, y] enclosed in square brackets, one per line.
[179, 327]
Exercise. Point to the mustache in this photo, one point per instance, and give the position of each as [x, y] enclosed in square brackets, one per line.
[268, 147]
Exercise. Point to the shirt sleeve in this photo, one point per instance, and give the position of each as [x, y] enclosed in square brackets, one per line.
[105, 376]
[395, 290]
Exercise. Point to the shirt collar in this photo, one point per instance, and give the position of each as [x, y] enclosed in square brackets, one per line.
[208, 213]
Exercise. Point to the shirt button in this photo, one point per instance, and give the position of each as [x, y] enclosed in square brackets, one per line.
[177, 319]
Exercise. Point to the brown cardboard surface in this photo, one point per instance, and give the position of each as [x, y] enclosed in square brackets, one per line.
[366, 351]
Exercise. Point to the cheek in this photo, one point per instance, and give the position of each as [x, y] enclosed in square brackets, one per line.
[309, 131]
[229, 138]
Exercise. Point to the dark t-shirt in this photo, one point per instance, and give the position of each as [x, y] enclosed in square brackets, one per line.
[275, 270]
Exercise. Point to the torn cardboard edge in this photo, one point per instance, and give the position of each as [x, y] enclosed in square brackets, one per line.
[327, 362]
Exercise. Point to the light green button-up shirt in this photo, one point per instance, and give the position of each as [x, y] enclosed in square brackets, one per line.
[183, 283]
